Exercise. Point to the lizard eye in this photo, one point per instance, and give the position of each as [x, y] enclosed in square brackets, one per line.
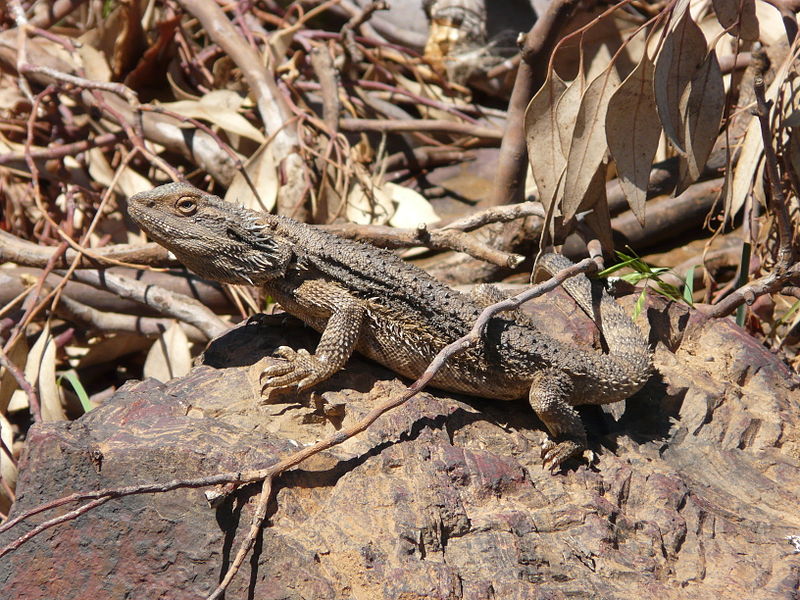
[186, 206]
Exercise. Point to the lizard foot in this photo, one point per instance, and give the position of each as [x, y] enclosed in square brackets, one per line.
[555, 453]
[300, 371]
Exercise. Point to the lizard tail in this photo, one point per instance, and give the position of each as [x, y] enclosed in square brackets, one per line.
[629, 361]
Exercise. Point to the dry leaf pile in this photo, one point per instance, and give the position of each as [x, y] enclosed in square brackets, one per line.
[304, 109]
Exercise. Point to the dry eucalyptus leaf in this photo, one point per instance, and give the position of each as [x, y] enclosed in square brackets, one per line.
[633, 130]
[739, 16]
[94, 63]
[129, 182]
[599, 218]
[49, 391]
[410, 207]
[567, 111]
[107, 348]
[588, 147]
[169, 357]
[263, 173]
[219, 107]
[542, 137]
[121, 37]
[683, 52]
[19, 399]
[8, 470]
[18, 355]
[701, 109]
[387, 203]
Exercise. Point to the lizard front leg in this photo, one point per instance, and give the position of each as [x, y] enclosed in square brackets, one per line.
[549, 395]
[302, 369]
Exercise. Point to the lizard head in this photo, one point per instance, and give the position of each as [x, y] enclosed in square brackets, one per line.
[215, 239]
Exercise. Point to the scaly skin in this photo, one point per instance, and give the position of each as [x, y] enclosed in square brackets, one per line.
[366, 299]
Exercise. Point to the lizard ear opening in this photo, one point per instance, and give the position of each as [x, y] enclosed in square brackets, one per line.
[186, 205]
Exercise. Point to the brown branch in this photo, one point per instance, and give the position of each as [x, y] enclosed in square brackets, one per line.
[92, 319]
[211, 294]
[498, 214]
[785, 269]
[778, 198]
[435, 239]
[669, 217]
[73, 514]
[425, 157]
[509, 182]
[24, 253]
[322, 63]
[80, 82]
[177, 306]
[427, 125]
[770, 284]
[256, 525]
[62, 150]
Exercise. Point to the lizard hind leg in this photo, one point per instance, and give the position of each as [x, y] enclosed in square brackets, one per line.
[549, 396]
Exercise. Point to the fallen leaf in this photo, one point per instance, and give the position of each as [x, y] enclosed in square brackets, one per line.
[263, 173]
[94, 63]
[543, 139]
[388, 203]
[17, 355]
[8, 470]
[107, 348]
[219, 107]
[411, 207]
[683, 52]
[19, 399]
[599, 218]
[129, 181]
[49, 391]
[169, 356]
[567, 110]
[588, 147]
[633, 130]
[739, 17]
[701, 111]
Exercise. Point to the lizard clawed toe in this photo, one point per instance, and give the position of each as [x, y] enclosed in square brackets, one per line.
[555, 453]
[300, 371]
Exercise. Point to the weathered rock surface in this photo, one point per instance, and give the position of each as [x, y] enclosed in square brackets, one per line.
[692, 495]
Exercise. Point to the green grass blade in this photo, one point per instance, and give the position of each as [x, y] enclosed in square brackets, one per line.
[80, 391]
[637, 308]
[688, 287]
[785, 316]
[744, 272]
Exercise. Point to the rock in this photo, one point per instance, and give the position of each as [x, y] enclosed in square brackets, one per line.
[692, 495]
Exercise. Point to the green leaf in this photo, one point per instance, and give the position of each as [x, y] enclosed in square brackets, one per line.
[614, 268]
[637, 308]
[788, 313]
[688, 287]
[76, 384]
[668, 290]
[744, 272]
